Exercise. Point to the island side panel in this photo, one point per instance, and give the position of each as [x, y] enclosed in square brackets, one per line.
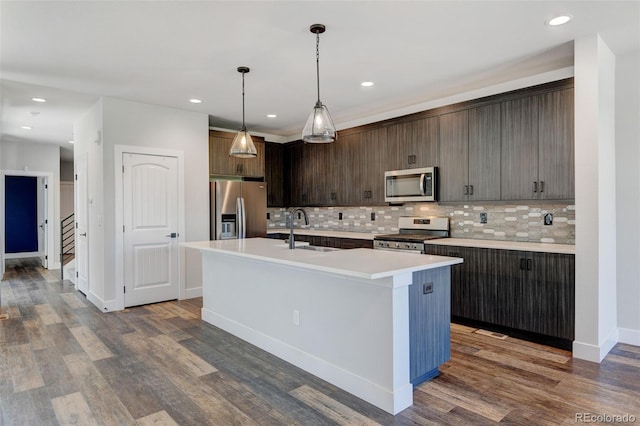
[429, 322]
[350, 332]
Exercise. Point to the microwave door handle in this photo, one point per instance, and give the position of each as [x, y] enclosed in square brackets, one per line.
[422, 183]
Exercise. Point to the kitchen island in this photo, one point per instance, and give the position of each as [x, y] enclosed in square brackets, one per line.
[371, 322]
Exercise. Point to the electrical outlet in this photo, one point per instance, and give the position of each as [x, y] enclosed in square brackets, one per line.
[483, 218]
[299, 215]
[340, 216]
[268, 216]
[373, 215]
[296, 318]
[427, 288]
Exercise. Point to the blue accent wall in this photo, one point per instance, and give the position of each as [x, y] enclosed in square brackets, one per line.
[21, 214]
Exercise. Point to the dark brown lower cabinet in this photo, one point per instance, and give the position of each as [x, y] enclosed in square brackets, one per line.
[335, 242]
[527, 291]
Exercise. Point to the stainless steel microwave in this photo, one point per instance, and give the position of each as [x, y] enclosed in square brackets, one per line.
[411, 185]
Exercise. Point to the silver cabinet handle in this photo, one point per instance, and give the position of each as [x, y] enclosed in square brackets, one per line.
[541, 186]
[535, 186]
[470, 189]
[466, 190]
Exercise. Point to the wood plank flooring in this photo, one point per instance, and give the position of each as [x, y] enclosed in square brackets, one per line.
[64, 362]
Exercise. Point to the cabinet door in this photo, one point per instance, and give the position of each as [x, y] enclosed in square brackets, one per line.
[349, 148]
[534, 303]
[399, 155]
[484, 153]
[454, 156]
[519, 148]
[560, 275]
[219, 161]
[556, 172]
[273, 174]
[295, 188]
[424, 141]
[373, 146]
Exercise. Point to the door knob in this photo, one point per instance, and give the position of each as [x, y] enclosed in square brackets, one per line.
[83, 234]
[172, 235]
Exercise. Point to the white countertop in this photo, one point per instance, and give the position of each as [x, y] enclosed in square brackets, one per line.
[463, 242]
[506, 245]
[359, 263]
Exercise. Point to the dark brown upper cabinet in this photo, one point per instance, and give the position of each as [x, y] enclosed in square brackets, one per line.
[538, 147]
[221, 164]
[470, 154]
[412, 144]
[273, 173]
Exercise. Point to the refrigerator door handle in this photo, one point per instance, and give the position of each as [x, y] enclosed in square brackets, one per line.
[241, 218]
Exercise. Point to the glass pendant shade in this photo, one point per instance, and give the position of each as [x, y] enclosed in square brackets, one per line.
[319, 127]
[243, 146]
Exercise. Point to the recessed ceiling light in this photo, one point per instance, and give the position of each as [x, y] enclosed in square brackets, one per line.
[25, 127]
[38, 99]
[71, 141]
[34, 113]
[195, 101]
[559, 20]
[271, 115]
[366, 84]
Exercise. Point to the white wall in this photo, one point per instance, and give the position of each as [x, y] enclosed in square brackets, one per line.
[66, 171]
[628, 195]
[596, 319]
[38, 158]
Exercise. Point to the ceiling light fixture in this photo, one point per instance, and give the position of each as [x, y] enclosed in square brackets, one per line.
[319, 127]
[25, 127]
[366, 84]
[38, 99]
[71, 141]
[195, 101]
[559, 20]
[271, 116]
[242, 145]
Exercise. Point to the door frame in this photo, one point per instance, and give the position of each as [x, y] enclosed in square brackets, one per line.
[50, 248]
[120, 150]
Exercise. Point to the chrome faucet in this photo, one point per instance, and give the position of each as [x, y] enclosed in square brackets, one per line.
[292, 212]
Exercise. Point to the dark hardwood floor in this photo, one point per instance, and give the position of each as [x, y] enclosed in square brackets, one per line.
[64, 362]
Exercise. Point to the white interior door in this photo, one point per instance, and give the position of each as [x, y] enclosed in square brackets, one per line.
[150, 189]
[43, 222]
[82, 224]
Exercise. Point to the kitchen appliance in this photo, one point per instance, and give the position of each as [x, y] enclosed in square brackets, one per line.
[238, 209]
[414, 231]
[411, 185]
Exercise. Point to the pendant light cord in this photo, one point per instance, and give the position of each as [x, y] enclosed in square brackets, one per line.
[243, 126]
[318, 63]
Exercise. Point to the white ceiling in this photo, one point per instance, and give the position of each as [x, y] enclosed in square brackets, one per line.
[166, 52]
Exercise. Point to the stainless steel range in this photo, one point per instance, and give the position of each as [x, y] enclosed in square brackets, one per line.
[414, 231]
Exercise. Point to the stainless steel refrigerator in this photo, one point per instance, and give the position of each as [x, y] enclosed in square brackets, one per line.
[238, 209]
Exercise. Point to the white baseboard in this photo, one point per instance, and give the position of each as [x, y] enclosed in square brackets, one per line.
[190, 293]
[629, 336]
[22, 255]
[392, 401]
[595, 353]
[103, 305]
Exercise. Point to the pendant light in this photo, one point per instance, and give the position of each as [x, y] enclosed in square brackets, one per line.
[242, 145]
[319, 127]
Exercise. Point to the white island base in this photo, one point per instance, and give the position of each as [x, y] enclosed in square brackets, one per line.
[342, 316]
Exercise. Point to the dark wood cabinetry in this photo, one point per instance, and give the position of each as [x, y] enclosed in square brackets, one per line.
[335, 242]
[274, 177]
[412, 144]
[221, 164]
[526, 291]
[512, 146]
[538, 147]
[470, 154]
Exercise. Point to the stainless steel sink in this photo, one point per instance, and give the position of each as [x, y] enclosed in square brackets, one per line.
[317, 248]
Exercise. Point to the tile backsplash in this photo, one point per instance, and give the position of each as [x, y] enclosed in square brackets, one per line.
[510, 222]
